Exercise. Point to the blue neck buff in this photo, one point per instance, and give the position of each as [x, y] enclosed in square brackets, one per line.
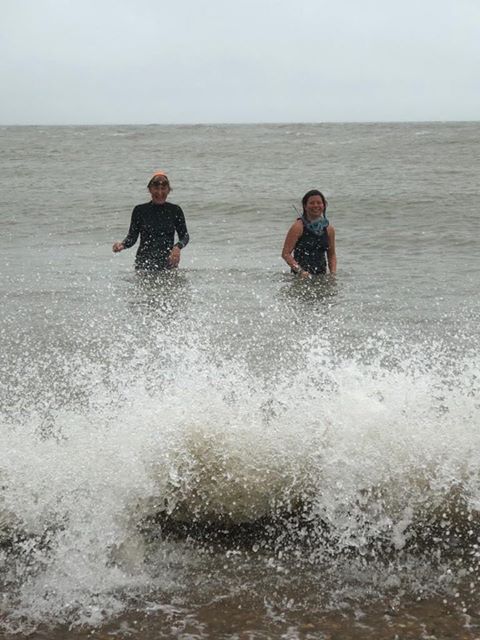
[317, 226]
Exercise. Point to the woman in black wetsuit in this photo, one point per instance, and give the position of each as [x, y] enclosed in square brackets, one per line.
[310, 243]
[156, 223]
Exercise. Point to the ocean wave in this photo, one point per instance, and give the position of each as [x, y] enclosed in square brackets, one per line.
[357, 454]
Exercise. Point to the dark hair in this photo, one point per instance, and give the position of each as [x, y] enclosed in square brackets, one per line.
[309, 194]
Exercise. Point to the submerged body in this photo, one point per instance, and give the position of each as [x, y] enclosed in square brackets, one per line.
[310, 249]
[156, 225]
[309, 246]
[156, 222]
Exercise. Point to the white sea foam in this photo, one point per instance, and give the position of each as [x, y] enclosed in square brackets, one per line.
[370, 451]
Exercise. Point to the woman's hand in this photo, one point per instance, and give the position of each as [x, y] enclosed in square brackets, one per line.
[303, 275]
[174, 257]
[118, 246]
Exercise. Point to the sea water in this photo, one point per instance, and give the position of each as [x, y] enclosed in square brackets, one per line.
[227, 451]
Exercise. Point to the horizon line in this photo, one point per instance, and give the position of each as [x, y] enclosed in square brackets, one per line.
[232, 123]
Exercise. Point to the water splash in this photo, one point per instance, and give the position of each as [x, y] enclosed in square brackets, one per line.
[355, 453]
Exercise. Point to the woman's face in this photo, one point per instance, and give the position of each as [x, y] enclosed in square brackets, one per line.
[314, 207]
[159, 190]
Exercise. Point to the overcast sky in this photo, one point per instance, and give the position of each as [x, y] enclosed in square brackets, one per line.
[203, 61]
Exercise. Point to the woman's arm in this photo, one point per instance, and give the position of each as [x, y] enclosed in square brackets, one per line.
[181, 229]
[132, 234]
[293, 236]
[331, 254]
[183, 238]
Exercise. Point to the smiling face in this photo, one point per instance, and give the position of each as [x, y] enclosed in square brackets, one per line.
[314, 207]
[159, 189]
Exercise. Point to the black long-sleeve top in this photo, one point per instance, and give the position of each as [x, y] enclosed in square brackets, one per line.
[156, 224]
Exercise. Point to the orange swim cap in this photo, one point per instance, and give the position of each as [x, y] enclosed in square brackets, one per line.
[158, 174]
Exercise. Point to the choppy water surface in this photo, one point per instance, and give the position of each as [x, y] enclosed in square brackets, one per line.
[226, 451]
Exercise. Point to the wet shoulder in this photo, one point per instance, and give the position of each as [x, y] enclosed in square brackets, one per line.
[172, 206]
[144, 206]
[175, 209]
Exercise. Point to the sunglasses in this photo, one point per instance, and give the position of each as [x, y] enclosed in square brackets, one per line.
[159, 183]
